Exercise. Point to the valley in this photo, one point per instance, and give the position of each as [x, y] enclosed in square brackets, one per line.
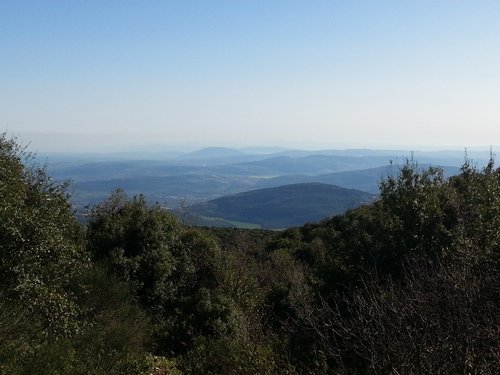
[189, 183]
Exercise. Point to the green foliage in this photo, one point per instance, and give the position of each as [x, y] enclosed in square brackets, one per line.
[208, 305]
[111, 340]
[439, 319]
[408, 284]
[41, 243]
[172, 269]
[422, 322]
[116, 335]
[418, 214]
[57, 315]
[231, 355]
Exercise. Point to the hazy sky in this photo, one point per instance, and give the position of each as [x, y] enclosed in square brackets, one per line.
[247, 72]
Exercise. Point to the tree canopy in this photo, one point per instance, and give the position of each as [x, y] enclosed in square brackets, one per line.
[407, 284]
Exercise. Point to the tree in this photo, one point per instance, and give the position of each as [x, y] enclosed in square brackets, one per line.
[41, 243]
[421, 273]
[172, 269]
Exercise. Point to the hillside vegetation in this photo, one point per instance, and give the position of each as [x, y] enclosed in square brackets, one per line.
[408, 284]
[284, 206]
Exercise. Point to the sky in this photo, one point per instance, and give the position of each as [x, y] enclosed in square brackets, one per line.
[106, 75]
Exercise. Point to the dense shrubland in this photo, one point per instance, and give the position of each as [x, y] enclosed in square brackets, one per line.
[406, 285]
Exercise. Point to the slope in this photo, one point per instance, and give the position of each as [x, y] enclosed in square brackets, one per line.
[283, 206]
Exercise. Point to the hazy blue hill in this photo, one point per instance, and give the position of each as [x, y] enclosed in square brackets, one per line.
[369, 179]
[365, 179]
[239, 164]
[159, 183]
[87, 171]
[220, 156]
[263, 150]
[284, 206]
[212, 152]
[167, 188]
[389, 154]
[308, 165]
[171, 181]
[64, 157]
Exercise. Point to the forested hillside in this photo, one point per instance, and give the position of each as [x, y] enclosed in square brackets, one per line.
[408, 284]
[283, 206]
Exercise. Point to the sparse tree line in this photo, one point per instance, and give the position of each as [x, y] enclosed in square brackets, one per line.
[407, 285]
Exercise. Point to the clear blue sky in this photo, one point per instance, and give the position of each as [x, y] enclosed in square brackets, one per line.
[247, 72]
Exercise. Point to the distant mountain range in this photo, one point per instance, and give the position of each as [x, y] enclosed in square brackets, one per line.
[212, 153]
[170, 189]
[283, 206]
[170, 178]
[366, 179]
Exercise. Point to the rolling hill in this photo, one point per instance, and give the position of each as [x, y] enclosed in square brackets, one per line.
[170, 190]
[283, 206]
[364, 179]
